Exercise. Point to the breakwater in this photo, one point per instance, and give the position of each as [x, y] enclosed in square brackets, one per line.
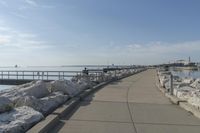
[186, 89]
[33, 101]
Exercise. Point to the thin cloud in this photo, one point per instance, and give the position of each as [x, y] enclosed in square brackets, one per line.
[19, 15]
[31, 2]
[163, 47]
[4, 39]
[12, 38]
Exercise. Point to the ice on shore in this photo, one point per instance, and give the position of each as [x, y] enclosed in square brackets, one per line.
[19, 120]
[37, 89]
[184, 92]
[24, 105]
[196, 84]
[64, 86]
[5, 104]
[185, 89]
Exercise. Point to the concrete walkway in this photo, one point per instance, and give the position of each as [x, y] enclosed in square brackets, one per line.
[132, 105]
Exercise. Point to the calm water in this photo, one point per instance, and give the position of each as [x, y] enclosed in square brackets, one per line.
[67, 68]
[187, 73]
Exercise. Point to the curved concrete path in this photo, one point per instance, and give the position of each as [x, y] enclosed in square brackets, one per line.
[131, 105]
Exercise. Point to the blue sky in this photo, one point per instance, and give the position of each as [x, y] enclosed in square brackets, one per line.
[65, 32]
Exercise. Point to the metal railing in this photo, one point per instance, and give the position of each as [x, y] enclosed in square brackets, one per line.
[97, 75]
[45, 75]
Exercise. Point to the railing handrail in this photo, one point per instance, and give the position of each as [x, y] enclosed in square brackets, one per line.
[38, 71]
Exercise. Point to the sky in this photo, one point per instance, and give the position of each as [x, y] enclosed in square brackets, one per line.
[95, 32]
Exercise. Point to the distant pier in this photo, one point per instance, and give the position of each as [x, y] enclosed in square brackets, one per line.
[21, 77]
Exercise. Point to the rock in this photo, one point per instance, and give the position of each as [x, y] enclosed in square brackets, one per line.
[52, 102]
[19, 120]
[195, 99]
[65, 86]
[188, 80]
[5, 104]
[184, 93]
[163, 80]
[196, 84]
[167, 85]
[85, 84]
[37, 89]
[29, 101]
[44, 105]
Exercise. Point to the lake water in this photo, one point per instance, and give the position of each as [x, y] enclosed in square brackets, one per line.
[187, 73]
[47, 68]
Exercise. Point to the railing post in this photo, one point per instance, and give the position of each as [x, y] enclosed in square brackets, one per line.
[2, 75]
[171, 84]
[17, 75]
[8, 75]
[42, 75]
[33, 75]
[23, 75]
[96, 76]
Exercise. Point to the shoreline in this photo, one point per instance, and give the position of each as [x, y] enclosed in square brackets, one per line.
[32, 102]
[186, 91]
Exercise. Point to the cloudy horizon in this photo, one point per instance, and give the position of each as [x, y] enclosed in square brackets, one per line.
[74, 32]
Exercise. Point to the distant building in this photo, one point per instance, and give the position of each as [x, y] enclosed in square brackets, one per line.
[184, 63]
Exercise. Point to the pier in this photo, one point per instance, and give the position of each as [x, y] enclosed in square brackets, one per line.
[21, 77]
[130, 105]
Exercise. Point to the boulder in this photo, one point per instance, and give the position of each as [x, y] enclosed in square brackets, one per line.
[195, 99]
[5, 104]
[183, 93]
[44, 105]
[29, 101]
[163, 80]
[196, 84]
[52, 102]
[188, 80]
[65, 86]
[19, 120]
[38, 89]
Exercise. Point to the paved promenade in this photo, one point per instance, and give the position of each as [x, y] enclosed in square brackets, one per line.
[132, 105]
